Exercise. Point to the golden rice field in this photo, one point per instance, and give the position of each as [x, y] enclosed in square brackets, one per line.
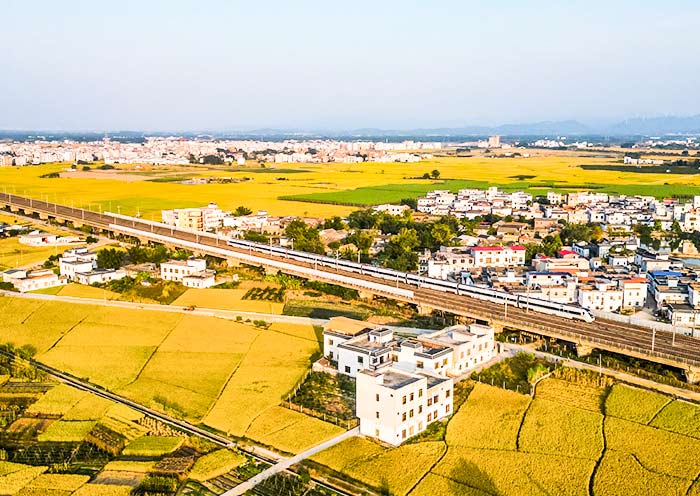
[14, 254]
[263, 190]
[560, 442]
[151, 446]
[216, 463]
[226, 299]
[229, 375]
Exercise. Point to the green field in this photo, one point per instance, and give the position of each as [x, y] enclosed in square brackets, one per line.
[501, 442]
[358, 184]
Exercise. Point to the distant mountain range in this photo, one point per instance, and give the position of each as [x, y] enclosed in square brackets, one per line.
[634, 127]
[643, 126]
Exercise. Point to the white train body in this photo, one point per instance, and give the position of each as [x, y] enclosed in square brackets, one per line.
[487, 294]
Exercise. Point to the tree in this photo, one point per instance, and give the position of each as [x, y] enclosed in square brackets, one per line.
[256, 237]
[442, 234]
[363, 219]
[409, 202]
[110, 258]
[241, 211]
[336, 223]
[363, 240]
[551, 245]
[399, 252]
[305, 238]
[435, 174]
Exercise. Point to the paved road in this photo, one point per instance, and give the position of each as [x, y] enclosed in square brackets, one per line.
[207, 312]
[285, 463]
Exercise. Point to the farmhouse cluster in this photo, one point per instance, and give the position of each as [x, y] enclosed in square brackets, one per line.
[178, 150]
[618, 272]
[402, 384]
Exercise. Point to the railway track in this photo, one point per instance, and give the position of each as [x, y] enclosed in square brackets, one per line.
[655, 345]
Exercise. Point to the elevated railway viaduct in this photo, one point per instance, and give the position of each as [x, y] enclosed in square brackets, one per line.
[657, 346]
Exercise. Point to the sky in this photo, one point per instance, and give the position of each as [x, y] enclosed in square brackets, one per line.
[330, 65]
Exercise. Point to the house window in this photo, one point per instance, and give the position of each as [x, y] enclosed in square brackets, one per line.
[430, 417]
[420, 409]
[360, 359]
[447, 393]
[403, 417]
[410, 413]
[447, 408]
[377, 414]
[430, 401]
[420, 393]
[419, 365]
[377, 396]
[347, 369]
[436, 398]
[403, 400]
[403, 434]
[411, 397]
[330, 342]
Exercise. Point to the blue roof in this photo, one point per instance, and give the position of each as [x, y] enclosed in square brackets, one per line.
[665, 273]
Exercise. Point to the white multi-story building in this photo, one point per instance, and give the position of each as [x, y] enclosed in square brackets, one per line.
[392, 209]
[75, 261]
[601, 295]
[207, 218]
[634, 292]
[394, 405]
[192, 272]
[470, 346]
[498, 256]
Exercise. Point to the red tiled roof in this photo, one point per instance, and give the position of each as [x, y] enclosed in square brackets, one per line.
[497, 248]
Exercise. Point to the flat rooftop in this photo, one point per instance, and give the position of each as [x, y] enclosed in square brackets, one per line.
[347, 326]
[393, 379]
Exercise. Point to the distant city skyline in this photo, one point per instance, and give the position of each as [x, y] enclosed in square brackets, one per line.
[239, 66]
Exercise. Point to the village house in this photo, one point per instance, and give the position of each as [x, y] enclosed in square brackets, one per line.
[30, 280]
[192, 273]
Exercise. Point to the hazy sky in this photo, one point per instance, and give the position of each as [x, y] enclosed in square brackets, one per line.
[236, 65]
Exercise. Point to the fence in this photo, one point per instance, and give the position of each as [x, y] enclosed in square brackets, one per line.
[292, 392]
[346, 424]
[628, 319]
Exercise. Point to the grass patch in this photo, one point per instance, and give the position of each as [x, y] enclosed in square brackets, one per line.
[680, 417]
[64, 431]
[58, 400]
[215, 464]
[489, 419]
[634, 404]
[152, 446]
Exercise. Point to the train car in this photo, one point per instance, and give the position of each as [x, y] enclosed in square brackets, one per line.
[478, 292]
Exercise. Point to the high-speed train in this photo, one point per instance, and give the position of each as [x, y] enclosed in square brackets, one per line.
[502, 297]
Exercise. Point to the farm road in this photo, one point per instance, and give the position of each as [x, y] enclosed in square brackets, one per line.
[206, 312]
[685, 394]
[285, 463]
